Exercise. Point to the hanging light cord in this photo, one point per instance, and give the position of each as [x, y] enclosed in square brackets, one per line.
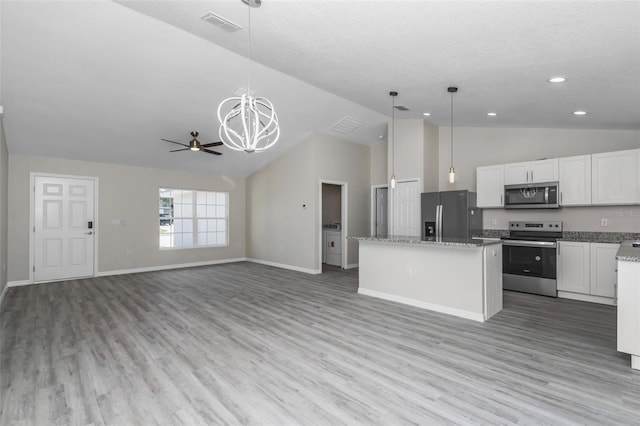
[249, 49]
[393, 135]
[452, 129]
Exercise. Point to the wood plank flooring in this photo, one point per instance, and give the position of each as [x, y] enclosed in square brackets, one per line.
[251, 344]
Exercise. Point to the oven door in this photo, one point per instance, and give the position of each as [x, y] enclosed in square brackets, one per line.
[529, 266]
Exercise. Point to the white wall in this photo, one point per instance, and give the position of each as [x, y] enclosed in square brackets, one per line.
[474, 147]
[379, 175]
[283, 218]
[431, 157]
[4, 194]
[279, 228]
[124, 192]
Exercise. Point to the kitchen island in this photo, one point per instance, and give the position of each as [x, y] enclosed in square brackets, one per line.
[461, 277]
[628, 258]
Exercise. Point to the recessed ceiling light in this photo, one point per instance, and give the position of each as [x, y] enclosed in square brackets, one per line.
[557, 79]
[426, 114]
[491, 114]
[579, 112]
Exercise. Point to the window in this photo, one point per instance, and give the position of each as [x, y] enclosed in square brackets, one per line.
[193, 218]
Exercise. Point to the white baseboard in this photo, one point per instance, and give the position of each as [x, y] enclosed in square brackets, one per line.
[4, 290]
[165, 267]
[586, 298]
[285, 266]
[18, 283]
[420, 304]
[353, 265]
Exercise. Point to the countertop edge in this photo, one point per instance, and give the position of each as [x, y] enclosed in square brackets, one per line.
[482, 242]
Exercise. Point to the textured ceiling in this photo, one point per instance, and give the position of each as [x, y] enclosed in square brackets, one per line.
[104, 81]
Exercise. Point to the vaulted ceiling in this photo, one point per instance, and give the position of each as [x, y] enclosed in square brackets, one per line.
[105, 81]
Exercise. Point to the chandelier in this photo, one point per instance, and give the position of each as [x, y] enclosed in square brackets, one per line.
[252, 124]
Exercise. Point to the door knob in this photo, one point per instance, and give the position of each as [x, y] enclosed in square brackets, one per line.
[89, 233]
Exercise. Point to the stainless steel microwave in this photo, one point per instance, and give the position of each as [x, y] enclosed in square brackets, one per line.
[531, 196]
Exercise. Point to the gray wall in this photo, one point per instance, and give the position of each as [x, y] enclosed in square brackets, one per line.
[124, 192]
[4, 201]
[283, 217]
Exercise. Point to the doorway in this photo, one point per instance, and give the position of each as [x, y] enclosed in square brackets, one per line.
[379, 210]
[405, 213]
[63, 213]
[333, 224]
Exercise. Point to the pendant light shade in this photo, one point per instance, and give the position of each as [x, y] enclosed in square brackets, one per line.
[452, 171]
[251, 125]
[393, 138]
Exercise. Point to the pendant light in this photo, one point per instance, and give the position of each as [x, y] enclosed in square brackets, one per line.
[252, 124]
[393, 138]
[452, 171]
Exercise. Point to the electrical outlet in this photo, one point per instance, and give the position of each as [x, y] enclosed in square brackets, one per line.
[494, 221]
[604, 222]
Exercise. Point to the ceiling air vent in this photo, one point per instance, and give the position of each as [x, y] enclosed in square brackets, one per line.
[346, 125]
[221, 22]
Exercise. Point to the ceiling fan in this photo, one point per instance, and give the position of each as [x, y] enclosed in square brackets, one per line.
[195, 145]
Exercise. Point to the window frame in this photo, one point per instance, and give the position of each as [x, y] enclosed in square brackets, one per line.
[194, 217]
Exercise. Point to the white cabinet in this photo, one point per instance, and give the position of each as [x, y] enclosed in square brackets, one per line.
[531, 171]
[490, 186]
[603, 269]
[573, 267]
[629, 310]
[587, 271]
[332, 252]
[575, 180]
[616, 177]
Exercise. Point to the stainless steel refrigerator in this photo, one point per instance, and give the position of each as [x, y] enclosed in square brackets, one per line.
[450, 214]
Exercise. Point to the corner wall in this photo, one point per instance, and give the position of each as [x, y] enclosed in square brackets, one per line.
[124, 192]
[474, 147]
[283, 217]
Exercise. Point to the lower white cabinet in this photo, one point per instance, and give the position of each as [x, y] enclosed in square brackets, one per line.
[604, 269]
[332, 250]
[587, 271]
[573, 267]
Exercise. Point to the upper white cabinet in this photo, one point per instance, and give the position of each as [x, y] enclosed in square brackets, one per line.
[490, 186]
[575, 180]
[616, 177]
[531, 171]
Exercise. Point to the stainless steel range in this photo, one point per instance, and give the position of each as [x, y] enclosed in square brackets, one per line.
[529, 257]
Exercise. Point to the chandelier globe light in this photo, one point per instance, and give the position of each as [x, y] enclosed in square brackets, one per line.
[251, 125]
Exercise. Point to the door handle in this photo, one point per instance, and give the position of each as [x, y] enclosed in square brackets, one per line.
[89, 233]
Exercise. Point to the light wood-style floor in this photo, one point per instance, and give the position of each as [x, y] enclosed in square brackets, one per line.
[251, 344]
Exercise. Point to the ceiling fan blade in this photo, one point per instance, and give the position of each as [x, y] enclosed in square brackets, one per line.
[183, 149]
[211, 152]
[207, 145]
[178, 143]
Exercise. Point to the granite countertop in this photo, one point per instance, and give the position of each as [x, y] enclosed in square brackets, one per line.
[599, 237]
[578, 236]
[430, 241]
[628, 253]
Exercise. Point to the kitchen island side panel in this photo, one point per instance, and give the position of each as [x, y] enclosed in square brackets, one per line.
[445, 279]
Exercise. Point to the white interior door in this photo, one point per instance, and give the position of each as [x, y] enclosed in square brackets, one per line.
[381, 211]
[406, 209]
[63, 228]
